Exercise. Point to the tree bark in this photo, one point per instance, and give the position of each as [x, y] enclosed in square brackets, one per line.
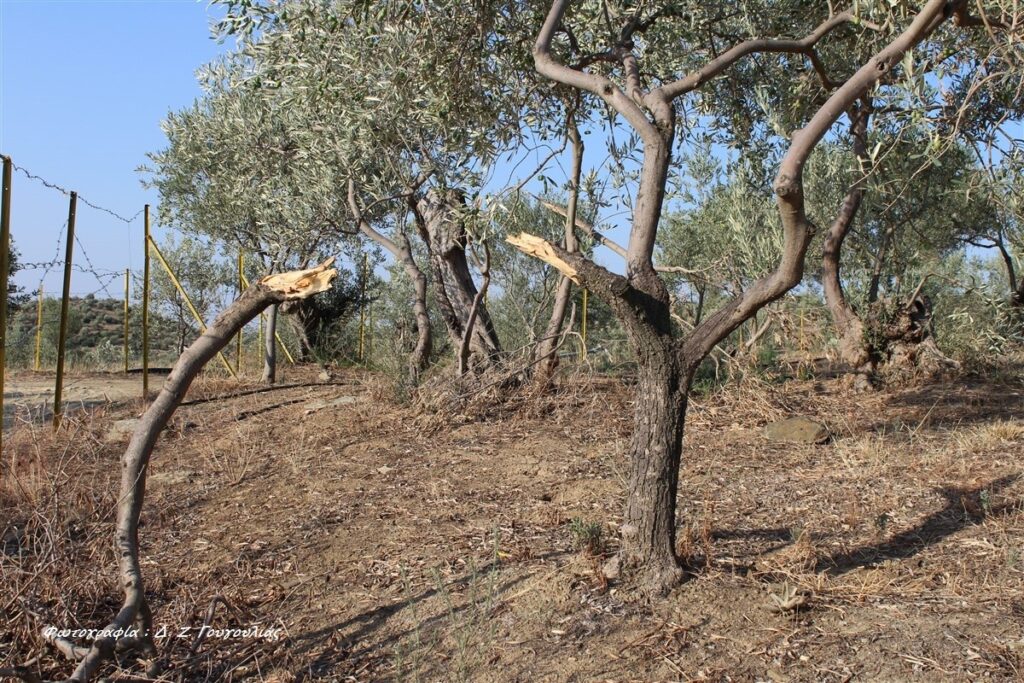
[402, 251]
[546, 349]
[656, 446]
[134, 611]
[853, 348]
[270, 347]
[445, 235]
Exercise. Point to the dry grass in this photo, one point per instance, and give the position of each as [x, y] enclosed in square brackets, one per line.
[391, 545]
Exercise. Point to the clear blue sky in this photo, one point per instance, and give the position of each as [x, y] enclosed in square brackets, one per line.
[84, 85]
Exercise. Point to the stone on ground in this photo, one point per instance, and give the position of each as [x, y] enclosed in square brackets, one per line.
[798, 430]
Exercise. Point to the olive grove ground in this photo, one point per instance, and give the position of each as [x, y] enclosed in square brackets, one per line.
[389, 544]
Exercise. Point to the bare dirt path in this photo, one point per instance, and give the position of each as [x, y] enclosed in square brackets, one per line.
[29, 396]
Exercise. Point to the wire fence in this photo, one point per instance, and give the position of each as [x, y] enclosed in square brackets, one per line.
[107, 326]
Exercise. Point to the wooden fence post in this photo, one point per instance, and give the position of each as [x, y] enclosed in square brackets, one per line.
[65, 301]
[5, 272]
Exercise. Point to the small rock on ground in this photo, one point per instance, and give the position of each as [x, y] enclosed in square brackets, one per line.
[798, 430]
[121, 429]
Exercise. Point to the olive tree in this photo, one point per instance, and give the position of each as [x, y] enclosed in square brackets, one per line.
[405, 109]
[233, 172]
[644, 60]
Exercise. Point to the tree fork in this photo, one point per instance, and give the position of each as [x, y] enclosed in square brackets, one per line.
[134, 612]
[641, 300]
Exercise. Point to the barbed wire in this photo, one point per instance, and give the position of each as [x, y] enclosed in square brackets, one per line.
[63, 190]
[92, 269]
[56, 256]
[104, 272]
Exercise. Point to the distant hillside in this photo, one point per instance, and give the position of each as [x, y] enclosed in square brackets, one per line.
[95, 334]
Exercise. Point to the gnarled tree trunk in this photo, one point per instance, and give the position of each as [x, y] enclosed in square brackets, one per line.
[640, 299]
[443, 231]
[402, 251]
[853, 347]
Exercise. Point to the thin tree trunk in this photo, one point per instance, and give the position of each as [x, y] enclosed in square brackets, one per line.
[1016, 289]
[270, 347]
[420, 357]
[467, 335]
[402, 251]
[134, 611]
[546, 349]
[876, 272]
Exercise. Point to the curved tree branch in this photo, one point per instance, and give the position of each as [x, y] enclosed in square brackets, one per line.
[748, 47]
[134, 612]
[789, 190]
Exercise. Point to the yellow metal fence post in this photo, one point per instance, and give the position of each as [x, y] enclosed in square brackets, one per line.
[5, 267]
[127, 292]
[369, 331]
[583, 324]
[145, 308]
[188, 302]
[362, 310]
[39, 330]
[65, 301]
[241, 288]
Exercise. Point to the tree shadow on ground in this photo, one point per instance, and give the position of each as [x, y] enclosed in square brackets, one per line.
[949, 405]
[965, 506]
[336, 648]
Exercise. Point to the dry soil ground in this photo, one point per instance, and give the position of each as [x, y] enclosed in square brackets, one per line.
[390, 544]
[28, 396]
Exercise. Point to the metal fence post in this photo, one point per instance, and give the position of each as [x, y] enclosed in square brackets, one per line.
[362, 310]
[583, 324]
[145, 308]
[5, 266]
[241, 288]
[39, 330]
[127, 292]
[65, 301]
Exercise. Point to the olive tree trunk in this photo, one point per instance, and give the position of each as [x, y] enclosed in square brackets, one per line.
[853, 347]
[640, 300]
[443, 231]
[270, 347]
[402, 251]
